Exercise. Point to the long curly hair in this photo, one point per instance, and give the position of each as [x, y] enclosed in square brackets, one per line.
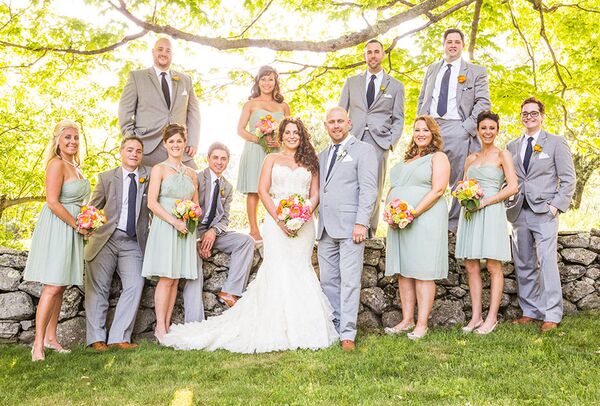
[305, 155]
[436, 144]
[265, 71]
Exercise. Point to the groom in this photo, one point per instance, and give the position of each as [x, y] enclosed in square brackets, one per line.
[348, 191]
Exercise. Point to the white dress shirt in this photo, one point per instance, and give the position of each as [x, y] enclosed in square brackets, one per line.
[378, 80]
[524, 143]
[213, 179]
[168, 78]
[452, 112]
[122, 224]
[340, 148]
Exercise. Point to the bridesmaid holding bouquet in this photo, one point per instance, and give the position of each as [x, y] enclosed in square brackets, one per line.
[262, 111]
[483, 231]
[171, 247]
[56, 255]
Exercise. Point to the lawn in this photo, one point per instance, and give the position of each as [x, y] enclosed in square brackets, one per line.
[515, 365]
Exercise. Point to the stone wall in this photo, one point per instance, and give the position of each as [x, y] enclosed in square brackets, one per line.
[578, 258]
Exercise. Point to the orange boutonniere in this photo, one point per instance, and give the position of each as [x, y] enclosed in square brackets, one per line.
[462, 78]
[142, 180]
[537, 148]
[175, 78]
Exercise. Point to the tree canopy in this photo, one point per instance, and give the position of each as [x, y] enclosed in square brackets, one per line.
[58, 64]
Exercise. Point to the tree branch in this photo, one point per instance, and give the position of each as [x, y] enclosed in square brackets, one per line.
[474, 26]
[71, 50]
[254, 20]
[329, 45]
[528, 46]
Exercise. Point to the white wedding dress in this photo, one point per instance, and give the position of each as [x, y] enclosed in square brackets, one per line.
[284, 307]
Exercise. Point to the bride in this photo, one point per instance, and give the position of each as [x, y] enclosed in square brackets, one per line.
[284, 307]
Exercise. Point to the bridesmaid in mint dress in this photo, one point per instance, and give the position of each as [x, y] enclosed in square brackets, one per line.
[168, 255]
[265, 98]
[418, 253]
[56, 255]
[485, 235]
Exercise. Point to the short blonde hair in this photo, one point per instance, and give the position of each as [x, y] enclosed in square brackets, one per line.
[52, 148]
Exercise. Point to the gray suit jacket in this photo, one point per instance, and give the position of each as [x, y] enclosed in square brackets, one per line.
[550, 179]
[385, 117]
[221, 221]
[472, 96]
[143, 110]
[108, 195]
[348, 196]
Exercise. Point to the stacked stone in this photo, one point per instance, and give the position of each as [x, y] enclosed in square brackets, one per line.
[578, 257]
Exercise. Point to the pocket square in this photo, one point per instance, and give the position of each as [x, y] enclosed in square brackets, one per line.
[184, 93]
[387, 96]
[543, 155]
[347, 158]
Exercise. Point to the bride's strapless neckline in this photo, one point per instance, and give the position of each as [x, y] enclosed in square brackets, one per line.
[290, 168]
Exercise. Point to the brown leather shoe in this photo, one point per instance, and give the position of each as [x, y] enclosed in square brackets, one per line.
[524, 320]
[226, 299]
[99, 346]
[348, 345]
[123, 346]
[548, 325]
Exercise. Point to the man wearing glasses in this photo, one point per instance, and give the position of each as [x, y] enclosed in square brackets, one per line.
[546, 175]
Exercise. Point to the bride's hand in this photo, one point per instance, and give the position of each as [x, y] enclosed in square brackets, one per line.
[180, 226]
[286, 230]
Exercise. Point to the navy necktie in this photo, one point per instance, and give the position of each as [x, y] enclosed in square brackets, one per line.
[371, 91]
[528, 152]
[131, 206]
[213, 204]
[165, 89]
[333, 159]
[442, 106]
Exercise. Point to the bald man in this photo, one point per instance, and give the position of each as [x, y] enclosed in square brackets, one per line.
[156, 97]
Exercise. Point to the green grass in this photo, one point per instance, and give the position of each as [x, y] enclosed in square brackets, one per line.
[516, 364]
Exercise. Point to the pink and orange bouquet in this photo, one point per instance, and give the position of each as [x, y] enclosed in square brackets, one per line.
[294, 212]
[398, 213]
[266, 126]
[469, 194]
[189, 212]
[90, 218]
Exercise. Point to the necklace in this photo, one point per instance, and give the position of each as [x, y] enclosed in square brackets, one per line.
[69, 163]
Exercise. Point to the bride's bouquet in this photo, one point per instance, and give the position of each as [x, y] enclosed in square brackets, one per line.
[398, 213]
[294, 212]
[266, 126]
[469, 194]
[189, 212]
[90, 218]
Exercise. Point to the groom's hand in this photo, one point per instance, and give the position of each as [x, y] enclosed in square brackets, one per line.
[359, 234]
[207, 242]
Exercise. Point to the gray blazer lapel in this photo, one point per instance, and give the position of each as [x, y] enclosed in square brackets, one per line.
[535, 156]
[175, 84]
[142, 173]
[384, 84]
[460, 86]
[208, 187]
[323, 165]
[154, 80]
[362, 88]
[431, 83]
[347, 148]
[118, 185]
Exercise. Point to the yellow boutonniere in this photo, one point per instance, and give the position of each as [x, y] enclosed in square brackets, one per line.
[462, 78]
[175, 78]
[382, 89]
[142, 180]
[222, 192]
[537, 148]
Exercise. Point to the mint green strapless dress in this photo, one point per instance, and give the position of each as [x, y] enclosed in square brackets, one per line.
[485, 235]
[168, 255]
[56, 255]
[420, 250]
[253, 155]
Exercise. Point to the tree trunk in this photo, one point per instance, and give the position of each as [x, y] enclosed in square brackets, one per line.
[6, 202]
[585, 165]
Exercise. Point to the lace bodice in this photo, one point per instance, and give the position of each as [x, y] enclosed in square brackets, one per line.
[285, 181]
